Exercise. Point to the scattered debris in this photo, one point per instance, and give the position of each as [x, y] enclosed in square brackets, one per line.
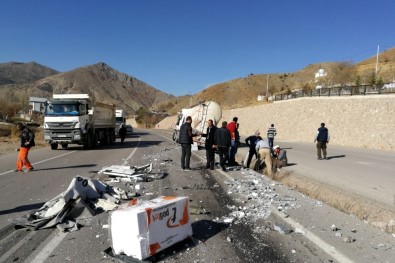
[348, 239]
[334, 228]
[133, 173]
[281, 228]
[71, 209]
[300, 231]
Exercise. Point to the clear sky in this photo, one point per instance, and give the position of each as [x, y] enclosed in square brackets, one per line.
[183, 46]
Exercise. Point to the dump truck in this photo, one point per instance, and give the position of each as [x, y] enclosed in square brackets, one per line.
[76, 119]
[200, 113]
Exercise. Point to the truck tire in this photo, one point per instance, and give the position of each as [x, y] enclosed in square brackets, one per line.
[65, 145]
[175, 135]
[89, 140]
[54, 146]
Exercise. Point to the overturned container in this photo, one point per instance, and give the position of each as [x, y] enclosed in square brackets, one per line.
[140, 229]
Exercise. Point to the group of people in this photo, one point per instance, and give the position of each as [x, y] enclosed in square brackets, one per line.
[225, 141]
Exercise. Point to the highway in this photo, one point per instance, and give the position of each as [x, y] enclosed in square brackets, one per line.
[214, 240]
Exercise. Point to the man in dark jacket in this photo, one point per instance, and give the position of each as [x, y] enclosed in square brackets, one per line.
[322, 139]
[122, 132]
[210, 151]
[251, 142]
[26, 142]
[222, 142]
[185, 139]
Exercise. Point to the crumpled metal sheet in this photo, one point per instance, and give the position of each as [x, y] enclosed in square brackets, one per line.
[135, 173]
[80, 200]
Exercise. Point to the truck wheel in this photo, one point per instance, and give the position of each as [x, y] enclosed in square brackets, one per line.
[175, 136]
[54, 146]
[65, 145]
[94, 141]
[89, 141]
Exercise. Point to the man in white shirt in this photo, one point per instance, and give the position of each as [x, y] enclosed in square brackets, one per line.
[263, 148]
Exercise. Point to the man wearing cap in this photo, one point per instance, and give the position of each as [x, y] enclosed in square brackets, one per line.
[322, 139]
[279, 157]
[251, 141]
[262, 147]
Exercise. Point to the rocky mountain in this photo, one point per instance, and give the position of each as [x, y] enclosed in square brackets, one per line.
[20, 73]
[100, 81]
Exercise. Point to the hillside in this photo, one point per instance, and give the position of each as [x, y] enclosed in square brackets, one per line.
[102, 82]
[20, 73]
[243, 92]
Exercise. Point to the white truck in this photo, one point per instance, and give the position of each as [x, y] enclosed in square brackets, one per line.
[200, 114]
[75, 119]
[119, 120]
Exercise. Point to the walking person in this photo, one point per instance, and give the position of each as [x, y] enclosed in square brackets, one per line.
[26, 142]
[222, 142]
[210, 150]
[262, 147]
[122, 132]
[271, 133]
[185, 139]
[232, 127]
[322, 139]
[251, 141]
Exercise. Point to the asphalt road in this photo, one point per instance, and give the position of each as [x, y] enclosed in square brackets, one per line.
[364, 172]
[54, 170]
[214, 241]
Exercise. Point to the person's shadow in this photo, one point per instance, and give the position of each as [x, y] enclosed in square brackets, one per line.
[336, 156]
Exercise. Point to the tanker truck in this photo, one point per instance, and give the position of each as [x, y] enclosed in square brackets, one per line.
[200, 114]
[75, 119]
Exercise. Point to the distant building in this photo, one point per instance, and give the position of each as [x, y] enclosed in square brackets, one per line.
[319, 74]
[261, 98]
[38, 104]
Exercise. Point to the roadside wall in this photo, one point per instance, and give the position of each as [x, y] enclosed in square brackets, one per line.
[357, 121]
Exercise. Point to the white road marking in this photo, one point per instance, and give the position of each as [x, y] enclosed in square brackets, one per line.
[52, 243]
[327, 248]
[131, 154]
[15, 248]
[46, 160]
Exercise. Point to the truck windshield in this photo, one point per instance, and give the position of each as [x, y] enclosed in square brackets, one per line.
[62, 109]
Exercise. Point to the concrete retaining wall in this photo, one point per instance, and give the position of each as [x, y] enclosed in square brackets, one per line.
[357, 121]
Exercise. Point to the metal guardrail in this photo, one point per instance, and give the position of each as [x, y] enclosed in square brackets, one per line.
[335, 91]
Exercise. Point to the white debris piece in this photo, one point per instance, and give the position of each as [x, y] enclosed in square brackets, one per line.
[126, 171]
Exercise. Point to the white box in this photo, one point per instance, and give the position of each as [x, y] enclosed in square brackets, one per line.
[140, 229]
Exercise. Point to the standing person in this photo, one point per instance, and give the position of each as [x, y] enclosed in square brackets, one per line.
[322, 139]
[210, 151]
[263, 148]
[122, 132]
[222, 142]
[232, 127]
[185, 139]
[26, 142]
[251, 141]
[271, 132]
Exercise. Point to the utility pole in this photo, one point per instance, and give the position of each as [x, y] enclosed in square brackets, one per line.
[377, 59]
[267, 85]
